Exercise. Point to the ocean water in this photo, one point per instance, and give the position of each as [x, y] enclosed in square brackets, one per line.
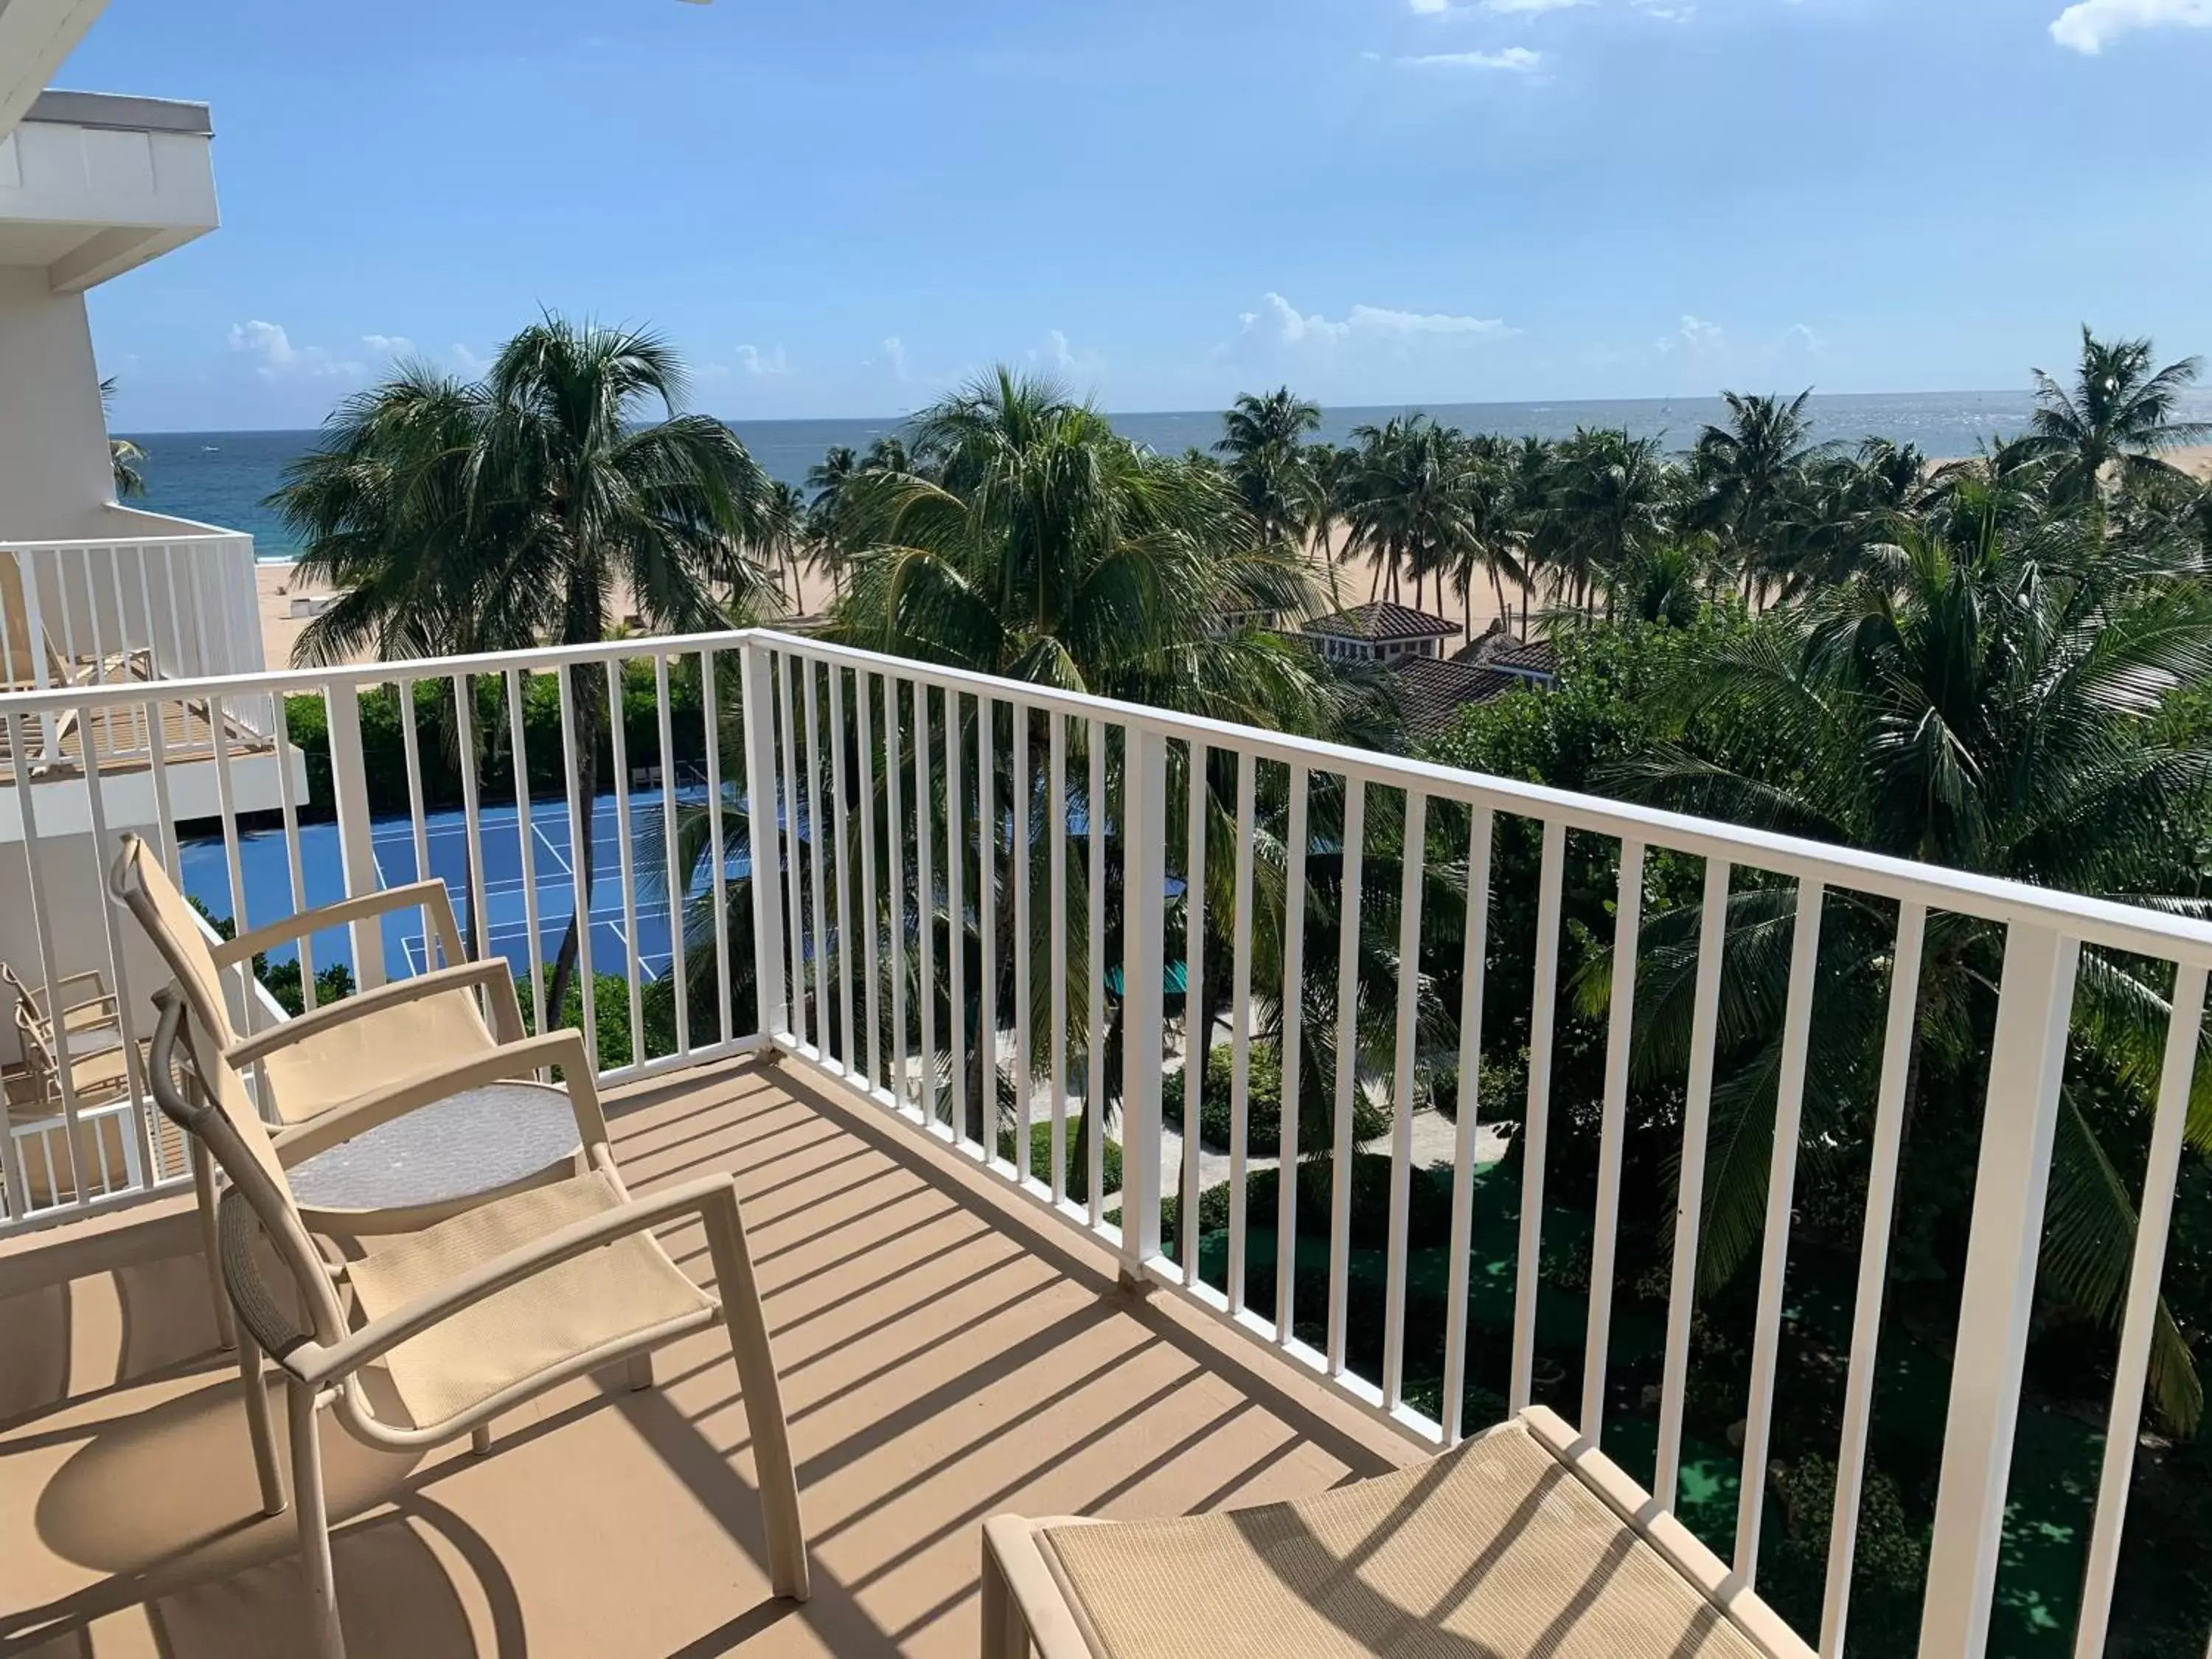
[225, 477]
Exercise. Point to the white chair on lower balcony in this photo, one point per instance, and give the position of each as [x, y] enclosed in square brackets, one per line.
[473, 1315]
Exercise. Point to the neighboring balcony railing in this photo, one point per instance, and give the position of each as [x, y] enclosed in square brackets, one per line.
[970, 902]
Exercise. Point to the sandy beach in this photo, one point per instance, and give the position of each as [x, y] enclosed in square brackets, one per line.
[279, 588]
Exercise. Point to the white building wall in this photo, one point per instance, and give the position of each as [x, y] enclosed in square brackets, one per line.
[55, 475]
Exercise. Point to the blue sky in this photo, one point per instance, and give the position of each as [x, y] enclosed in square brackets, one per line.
[840, 209]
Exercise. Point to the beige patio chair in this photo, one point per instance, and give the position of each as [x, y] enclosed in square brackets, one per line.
[340, 1050]
[37, 1115]
[30, 661]
[91, 1016]
[475, 1315]
[1523, 1542]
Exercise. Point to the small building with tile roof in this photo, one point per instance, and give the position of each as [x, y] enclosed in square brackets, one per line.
[1379, 632]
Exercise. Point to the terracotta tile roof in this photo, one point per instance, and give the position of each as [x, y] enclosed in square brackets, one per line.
[1536, 657]
[1383, 621]
[1431, 690]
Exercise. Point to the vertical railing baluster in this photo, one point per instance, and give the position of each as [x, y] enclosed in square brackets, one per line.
[1240, 1036]
[925, 815]
[840, 816]
[295, 865]
[794, 927]
[1474, 959]
[579, 822]
[1057, 922]
[1018, 872]
[1411, 856]
[1094, 1103]
[1194, 1012]
[1690, 1179]
[987, 925]
[956, 911]
[357, 838]
[1774, 1255]
[525, 833]
[679, 881]
[2027, 1059]
[817, 831]
[1874, 1269]
[464, 745]
[1536, 1133]
[1613, 1131]
[756, 687]
[626, 844]
[864, 690]
[1143, 884]
[894, 770]
[1294, 980]
[710, 715]
[1347, 1067]
[412, 749]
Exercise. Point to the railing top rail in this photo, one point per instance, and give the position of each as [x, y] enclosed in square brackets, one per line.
[2101, 921]
[193, 531]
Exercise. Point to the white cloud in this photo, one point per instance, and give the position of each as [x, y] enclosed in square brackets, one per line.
[1531, 5]
[1431, 8]
[1694, 334]
[1517, 60]
[1802, 335]
[275, 357]
[895, 351]
[466, 362]
[2086, 25]
[754, 361]
[389, 345]
[1664, 13]
[1280, 329]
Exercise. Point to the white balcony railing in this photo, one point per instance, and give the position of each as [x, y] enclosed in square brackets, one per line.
[882, 905]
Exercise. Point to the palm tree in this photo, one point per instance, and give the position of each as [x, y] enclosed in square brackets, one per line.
[831, 478]
[1991, 708]
[538, 504]
[784, 528]
[1264, 437]
[1608, 509]
[123, 455]
[2119, 417]
[1751, 471]
[1410, 504]
[1851, 503]
[1051, 550]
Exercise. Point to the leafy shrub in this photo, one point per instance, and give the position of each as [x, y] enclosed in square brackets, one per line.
[1079, 1159]
[1263, 1108]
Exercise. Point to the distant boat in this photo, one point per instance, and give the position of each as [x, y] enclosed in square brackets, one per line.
[208, 449]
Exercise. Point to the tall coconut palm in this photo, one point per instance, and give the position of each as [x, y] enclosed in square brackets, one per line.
[1264, 438]
[831, 478]
[783, 531]
[1988, 708]
[1608, 509]
[539, 503]
[2119, 417]
[1751, 470]
[1407, 502]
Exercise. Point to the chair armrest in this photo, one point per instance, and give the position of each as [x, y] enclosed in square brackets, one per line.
[1011, 1551]
[313, 1023]
[110, 1006]
[91, 976]
[430, 894]
[318, 1363]
[564, 1048]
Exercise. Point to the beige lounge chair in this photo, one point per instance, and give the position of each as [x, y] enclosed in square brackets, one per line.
[340, 1050]
[36, 1113]
[92, 1016]
[475, 1315]
[29, 661]
[1524, 1542]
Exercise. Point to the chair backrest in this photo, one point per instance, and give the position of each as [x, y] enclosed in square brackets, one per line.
[215, 1110]
[142, 887]
[27, 1005]
[19, 657]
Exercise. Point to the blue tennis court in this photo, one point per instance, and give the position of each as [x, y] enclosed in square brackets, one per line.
[515, 867]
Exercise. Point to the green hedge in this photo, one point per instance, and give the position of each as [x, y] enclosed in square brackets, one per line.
[383, 740]
[1079, 1159]
[1263, 1104]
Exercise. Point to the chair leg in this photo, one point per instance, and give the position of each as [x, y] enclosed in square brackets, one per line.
[226, 1326]
[314, 1524]
[640, 1372]
[258, 1426]
[1005, 1636]
[480, 1439]
[763, 1397]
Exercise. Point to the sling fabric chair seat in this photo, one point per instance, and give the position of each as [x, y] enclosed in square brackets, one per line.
[621, 1293]
[1523, 1543]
